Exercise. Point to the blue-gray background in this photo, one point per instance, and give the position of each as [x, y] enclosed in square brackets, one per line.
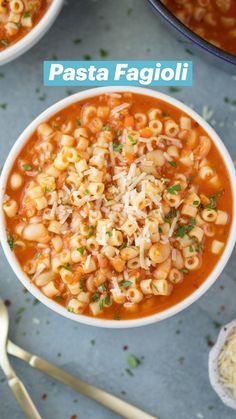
[172, 380]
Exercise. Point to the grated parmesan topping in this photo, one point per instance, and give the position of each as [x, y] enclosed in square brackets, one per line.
[227, 363]
[120, 108]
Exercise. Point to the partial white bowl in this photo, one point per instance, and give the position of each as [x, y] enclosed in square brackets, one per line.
[25, 43]
[224, 393]
[102, 322]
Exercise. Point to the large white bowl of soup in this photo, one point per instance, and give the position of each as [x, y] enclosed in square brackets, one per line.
[117, 207]
[23, 23]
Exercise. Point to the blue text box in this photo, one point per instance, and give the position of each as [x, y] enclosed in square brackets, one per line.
[118, 73]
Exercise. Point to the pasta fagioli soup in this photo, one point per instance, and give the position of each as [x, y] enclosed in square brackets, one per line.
[118, 206]
[18, 17]
[213, 20]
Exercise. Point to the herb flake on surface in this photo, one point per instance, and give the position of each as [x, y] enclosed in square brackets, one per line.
[133, 361]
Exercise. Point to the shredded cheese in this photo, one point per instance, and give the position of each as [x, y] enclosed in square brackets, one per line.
[227, 363]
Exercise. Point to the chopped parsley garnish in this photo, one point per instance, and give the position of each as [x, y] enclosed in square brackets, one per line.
[209, 341]
[173, 189]
[173, 163]
[107, 300]
[27, 14]
[78, 121]
[181, 360]
[117, 147]
[170, 216]
[82, 284]
[196, 203]
[80, 250]
[132, 140]
[189, 51]
[47, 189]
[231, 102]
[102, 288]
[27, 167]
[164, 114]
[199, 247]
[87, 191]
[133, 361]
[91, 233]
[130, 11]
[11, 241]
[216, 324]
[106, 128]
[129, 372]
[59, 298]
[184, 270]
[109, 233]
[96, 296]
[87, 57]
[103, 53]
[116, 316]
[70, 309]
[126, 284]
[190, 179]
[183, 230]
[104, 302]
[213, 198]
[154, 287]
[67, 267]
[174, 89]
[123, 246]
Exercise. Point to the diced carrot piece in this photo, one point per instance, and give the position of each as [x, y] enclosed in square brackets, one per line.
[134, 272]
[146, 132]
[129, 122]
[129, 157]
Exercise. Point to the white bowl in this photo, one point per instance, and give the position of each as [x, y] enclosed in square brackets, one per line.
[102, 322]
[25, 43]
[224, 393]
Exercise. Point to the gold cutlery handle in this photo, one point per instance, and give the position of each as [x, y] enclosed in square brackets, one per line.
[108, 400]
[23, 398]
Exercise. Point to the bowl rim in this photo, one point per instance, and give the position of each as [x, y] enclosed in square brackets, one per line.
[191, 35]
[213, 371]
[19, 144]
[32, 37]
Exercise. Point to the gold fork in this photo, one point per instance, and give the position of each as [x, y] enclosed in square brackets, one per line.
[111, 402]
[14, 382]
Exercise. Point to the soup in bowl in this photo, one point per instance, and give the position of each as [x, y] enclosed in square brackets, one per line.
[210, 24]
[117, 207]
[212, 20]
[23, 23]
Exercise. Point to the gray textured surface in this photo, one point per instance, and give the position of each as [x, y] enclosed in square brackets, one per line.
[172, 380]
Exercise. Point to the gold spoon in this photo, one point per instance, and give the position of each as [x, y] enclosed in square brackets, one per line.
[15, 384]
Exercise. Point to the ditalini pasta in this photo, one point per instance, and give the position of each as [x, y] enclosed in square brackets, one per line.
[18, 17]
[119, 206]
[227, 363]
[213, 20]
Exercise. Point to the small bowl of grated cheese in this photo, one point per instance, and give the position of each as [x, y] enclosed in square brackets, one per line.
[222, 365]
